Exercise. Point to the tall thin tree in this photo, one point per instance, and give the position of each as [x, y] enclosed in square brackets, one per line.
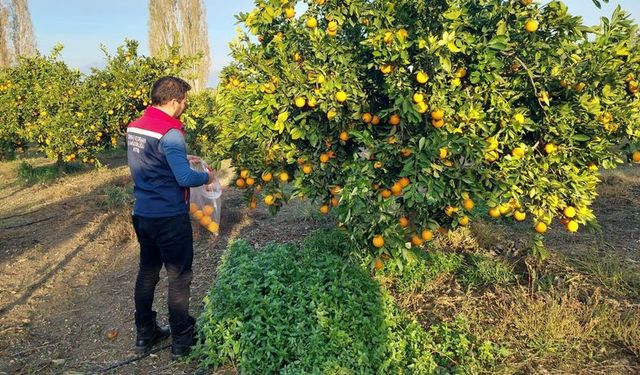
[5, 44]
[22, 36]
[163, 28]
[194, 39]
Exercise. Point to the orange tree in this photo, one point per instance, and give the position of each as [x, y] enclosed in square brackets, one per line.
[409, 117]
[70, 116]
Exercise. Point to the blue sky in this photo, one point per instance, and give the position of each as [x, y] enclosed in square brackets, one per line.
[82, 25]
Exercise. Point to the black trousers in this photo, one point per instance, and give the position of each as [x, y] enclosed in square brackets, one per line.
[164, 241]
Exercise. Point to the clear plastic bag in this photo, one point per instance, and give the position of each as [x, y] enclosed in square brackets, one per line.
[206, 201]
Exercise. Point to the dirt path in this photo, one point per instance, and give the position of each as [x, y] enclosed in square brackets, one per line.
[67, 267]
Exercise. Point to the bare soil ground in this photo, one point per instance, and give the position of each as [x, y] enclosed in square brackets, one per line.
[68, 264]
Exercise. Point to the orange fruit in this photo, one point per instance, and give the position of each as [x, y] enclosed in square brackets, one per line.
[213, 227]
[572, 226]
[366, 118]
[386, 69]
[396, 188]
[540, 227]
[112, 334]
[205, 221]
[385, 193]
[341, 96]
[422, 77]
[404, 222]
[404, 182]
[375, 120]
[438, 114]
[437, 123]
[468, 204]
[517, 152]
[418, 97]
[307, 169]
[520, 216]
[416, 240]
[324, 209]
[464, 221]
[427, 235]
[269, 200]
[241, 183]
[244, 173]
[550, 148]
[378, 264]
[311, 23]
[198, 215]
[284, 177]
[335, 190]
[378, 241]
[569, 212]
[344, 136]
[324, 158]
[300, 102]
[494, 212]
[334, 202]
[207, 210]
[531, 26]
[266, 177]
[193, 208]
[251, 181]
[636, 156]
[290, 13]
[394, 120]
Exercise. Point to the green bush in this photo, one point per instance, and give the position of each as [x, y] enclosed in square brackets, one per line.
[306, 311]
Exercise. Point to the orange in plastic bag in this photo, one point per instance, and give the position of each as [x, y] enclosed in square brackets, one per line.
[206, 200]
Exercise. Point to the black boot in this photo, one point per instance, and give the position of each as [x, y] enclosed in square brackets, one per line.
[149, 334]
[183, 341]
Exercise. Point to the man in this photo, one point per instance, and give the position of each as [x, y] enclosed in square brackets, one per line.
[162, 176]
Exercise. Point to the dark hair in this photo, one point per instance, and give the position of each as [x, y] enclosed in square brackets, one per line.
[168, 88]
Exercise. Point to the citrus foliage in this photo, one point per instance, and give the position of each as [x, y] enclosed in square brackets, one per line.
[71, 116]
[413, 116]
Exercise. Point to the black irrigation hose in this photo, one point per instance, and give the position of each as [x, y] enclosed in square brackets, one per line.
[134, 359]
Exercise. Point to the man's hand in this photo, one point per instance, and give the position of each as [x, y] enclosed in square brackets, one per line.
[194, 159]
[212, 177]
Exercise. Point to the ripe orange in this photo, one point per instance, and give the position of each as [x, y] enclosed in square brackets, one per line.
[550, 148]
[468, 204]
[385, 193]
[341, 96]
[517, 152]
[416, 240]
[494, 212]
[396, 188]
[378, 241]
[540, 227]
[366, 118]
[324, 158]
[418, 97]
[284, 177]
[334, 202]
[266, 177]
[569, 212]
[244, 173]
[636, 156]
[437, 123]
[427, 235]
[386, 69]
[404, 222]
[213, 227]
[269, 200]
[438, 114]
[394, 119]
[422, 107]
[378, 264]
[404, 182]
[251, 181]
[241, 183]
[300, 102]
[324, 209]
[311, 23]
[207, 210]
[422, 77]
[198, 215]
[344, 136]
[307, 169]
[572, 226]
[375, 120]
[290, 13]
[443, 153]
[531, 26]
[388, 37]
[520, 216]
[464, 221]
[205, 221]
[193, 208]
